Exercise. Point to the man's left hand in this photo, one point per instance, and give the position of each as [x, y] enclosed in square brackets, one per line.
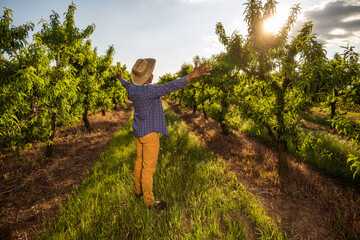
[199, 71]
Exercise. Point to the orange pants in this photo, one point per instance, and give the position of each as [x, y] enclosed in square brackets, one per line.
[147, 151]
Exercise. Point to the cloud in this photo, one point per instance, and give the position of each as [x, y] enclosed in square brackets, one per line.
[337, 19]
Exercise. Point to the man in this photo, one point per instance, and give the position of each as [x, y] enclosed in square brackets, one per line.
[149, 120]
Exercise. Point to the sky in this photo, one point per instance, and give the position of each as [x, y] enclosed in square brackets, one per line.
[175, 31]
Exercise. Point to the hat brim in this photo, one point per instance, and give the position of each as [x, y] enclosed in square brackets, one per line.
[140, 80]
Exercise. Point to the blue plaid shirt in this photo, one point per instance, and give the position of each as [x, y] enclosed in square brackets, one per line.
[148, 111]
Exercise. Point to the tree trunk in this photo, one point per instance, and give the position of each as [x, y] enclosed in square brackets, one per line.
[180, 98]
[333, 104]
[204, 112]
[332, 109]
[115, 104]
[103, 112]
[49, 148]
[86, 120]
[225, 128]
[194, 107]
[225, 106]
[282, 157]
[194, 104]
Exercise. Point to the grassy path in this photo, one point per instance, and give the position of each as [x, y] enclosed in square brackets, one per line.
[204, 201]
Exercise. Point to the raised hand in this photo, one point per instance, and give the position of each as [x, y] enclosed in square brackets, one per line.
[199, 71]
[119, 74]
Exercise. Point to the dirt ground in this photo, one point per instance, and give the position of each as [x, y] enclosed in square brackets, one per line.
[32, 186]
[306, 203]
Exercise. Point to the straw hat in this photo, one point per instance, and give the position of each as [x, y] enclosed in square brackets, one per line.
[142, 70]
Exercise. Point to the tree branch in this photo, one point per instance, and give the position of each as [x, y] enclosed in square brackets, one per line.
[271, 134]
[301, 115]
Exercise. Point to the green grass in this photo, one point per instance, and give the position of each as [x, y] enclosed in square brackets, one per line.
[318, 119]
[204, 201]
[251, 128]
[353, 113]
[326, 111]
[328, 152]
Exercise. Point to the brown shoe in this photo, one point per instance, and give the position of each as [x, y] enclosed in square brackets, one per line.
[159, 205]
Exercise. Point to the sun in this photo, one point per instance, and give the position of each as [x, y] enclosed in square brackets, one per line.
[272, 25]
[277, 21]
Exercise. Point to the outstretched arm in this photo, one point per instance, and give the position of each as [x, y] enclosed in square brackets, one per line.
[124, 83]
[161, 90]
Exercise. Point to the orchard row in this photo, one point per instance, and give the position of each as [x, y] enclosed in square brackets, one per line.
[55, 80]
